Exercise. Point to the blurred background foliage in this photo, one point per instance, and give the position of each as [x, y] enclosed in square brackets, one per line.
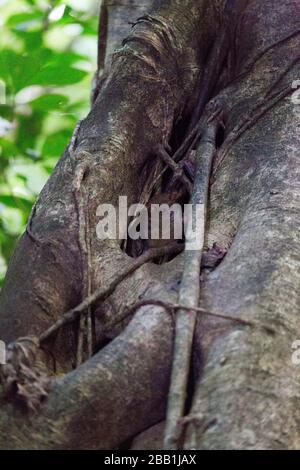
[48, 55]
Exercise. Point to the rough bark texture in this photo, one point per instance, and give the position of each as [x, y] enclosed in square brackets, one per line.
[246, 388]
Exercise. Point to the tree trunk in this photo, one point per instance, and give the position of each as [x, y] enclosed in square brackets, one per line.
[184, 58]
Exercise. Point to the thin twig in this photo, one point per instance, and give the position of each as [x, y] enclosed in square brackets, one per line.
[171, 308]
[190, 287]
[189, 142]
[177, 170]
[104, 291]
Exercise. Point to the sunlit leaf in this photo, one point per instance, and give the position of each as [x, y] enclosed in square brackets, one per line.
[20, 70]
[49, 102]
[32, 39]
[15, 202]
[55, 144]
[58, 76]
[25, 21]
[8, 149]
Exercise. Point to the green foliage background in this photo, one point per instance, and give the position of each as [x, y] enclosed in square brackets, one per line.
[48, 55]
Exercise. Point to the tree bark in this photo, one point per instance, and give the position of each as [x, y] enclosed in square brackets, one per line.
[246, 390]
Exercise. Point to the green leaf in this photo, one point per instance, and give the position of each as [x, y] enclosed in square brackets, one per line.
[32, 39]
[49, 164]
[65, 59]
[7, 112]
[69, 16]
[20, 70]
[29, 129]
[25, 21]
[58, 76]
[8, 149]
[49, 102]
[15, 202]
[55, 144]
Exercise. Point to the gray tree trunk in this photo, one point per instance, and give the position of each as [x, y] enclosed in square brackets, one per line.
[246, 388]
